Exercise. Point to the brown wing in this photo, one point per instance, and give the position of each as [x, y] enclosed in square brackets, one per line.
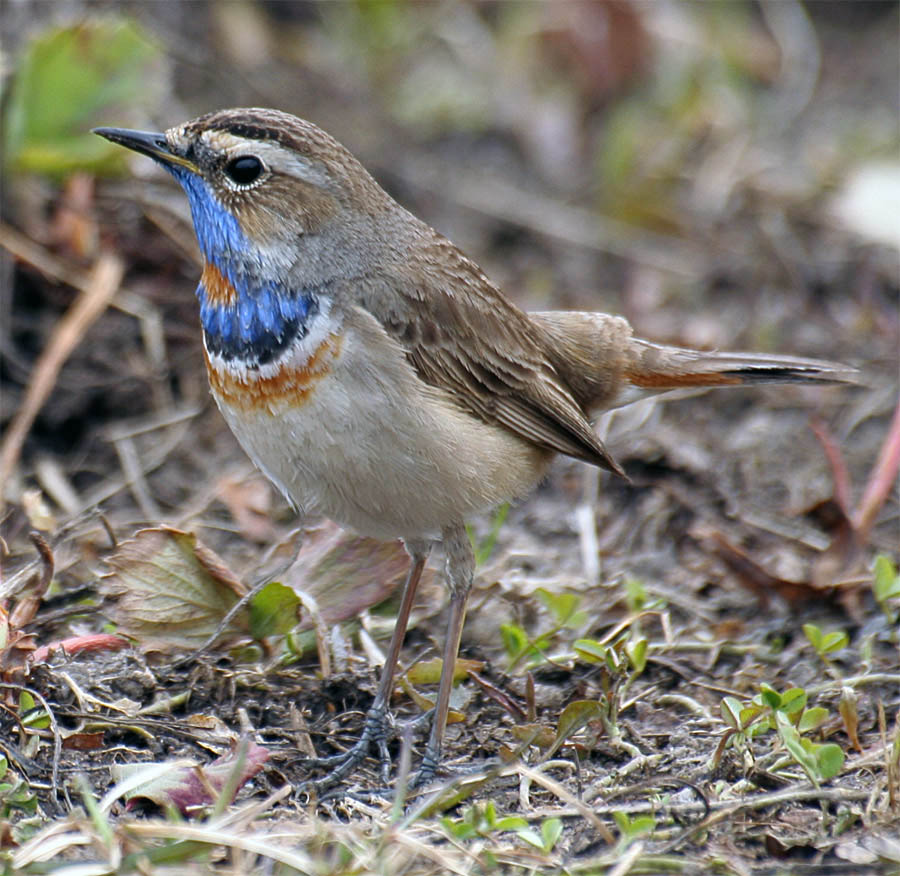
[462, 335]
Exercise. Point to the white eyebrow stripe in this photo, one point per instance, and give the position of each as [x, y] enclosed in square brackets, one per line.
[273, 155]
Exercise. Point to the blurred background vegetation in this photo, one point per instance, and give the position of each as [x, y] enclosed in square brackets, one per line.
[721, 173]
[724, 174]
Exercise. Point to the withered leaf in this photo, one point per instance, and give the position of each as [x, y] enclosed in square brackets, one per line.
[187, 786]
[169, 591]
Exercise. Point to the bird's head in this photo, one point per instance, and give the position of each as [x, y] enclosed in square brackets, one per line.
[278, 207]
[259, 179]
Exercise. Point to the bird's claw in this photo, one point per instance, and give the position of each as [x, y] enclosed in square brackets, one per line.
[375, 731]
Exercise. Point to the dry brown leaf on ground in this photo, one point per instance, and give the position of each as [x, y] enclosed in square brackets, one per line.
[249, 500]
[168, 591]
[187, 786]
[346, 573]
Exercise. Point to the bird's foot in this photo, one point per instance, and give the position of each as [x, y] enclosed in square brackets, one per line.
[375, 732]
[428, 768]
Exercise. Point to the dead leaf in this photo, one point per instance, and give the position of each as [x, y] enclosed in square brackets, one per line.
[429, 671]
[347, 573]
[575, 716]
[535, 734]
[249, 501]
[84, 741]
[188, 786]
[74, 227]
[501, 696]
[168, 591]
[454, 716]
[752, 575]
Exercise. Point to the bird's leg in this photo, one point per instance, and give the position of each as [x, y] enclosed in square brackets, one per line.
[460, 569]
[375, 728]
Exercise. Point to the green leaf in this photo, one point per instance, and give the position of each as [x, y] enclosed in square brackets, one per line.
[887, 579]
[70, 79]
[770, 696]
[730, 709]
[563, 606]
[795, 745]
[512, 822]
[632, 828]
[575, 716]
[531, 837]
[429, 671]
[637, 654]
[833, 642]
[829, 759]
[759, 727]
[623, 822]
[541, 643]
[515, 639]
[551, 830]
[635, 594]
[613, 661]
[748, 713]
[590, 650]
[814, 634]
[642, 824]
[793, 701]
[273, 611]
[459, 830]
[34, 716]
[812, 718]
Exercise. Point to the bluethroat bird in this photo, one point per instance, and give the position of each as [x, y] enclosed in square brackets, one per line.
[373, 371]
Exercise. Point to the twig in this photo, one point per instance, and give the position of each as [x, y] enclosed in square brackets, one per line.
[257, 588]
[839, 473]
[310, 605]
[801, 60]
[563, 793]
[100, 287]
[154, 457]
[53, 481]
[882, 479]
[134, 477]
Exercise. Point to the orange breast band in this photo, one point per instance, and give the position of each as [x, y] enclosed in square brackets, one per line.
[219, 292]
[290, 385]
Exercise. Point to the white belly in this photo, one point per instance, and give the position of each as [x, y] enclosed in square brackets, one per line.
[373, 448]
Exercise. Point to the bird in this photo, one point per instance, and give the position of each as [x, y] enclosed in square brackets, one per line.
[378, 377]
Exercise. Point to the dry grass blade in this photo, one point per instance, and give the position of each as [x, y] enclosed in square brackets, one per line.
[882, 479]
[627, 860]
[568, 797]
[256, 845]
[100, 287]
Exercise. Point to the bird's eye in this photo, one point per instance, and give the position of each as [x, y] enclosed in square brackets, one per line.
[244, 170]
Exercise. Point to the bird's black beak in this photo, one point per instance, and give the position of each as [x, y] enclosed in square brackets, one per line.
[147, 143]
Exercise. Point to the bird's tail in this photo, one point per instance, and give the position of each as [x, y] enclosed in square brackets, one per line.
[607, 367]
[659, 366]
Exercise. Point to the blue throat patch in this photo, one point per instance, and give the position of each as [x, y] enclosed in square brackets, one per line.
[265, 318]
